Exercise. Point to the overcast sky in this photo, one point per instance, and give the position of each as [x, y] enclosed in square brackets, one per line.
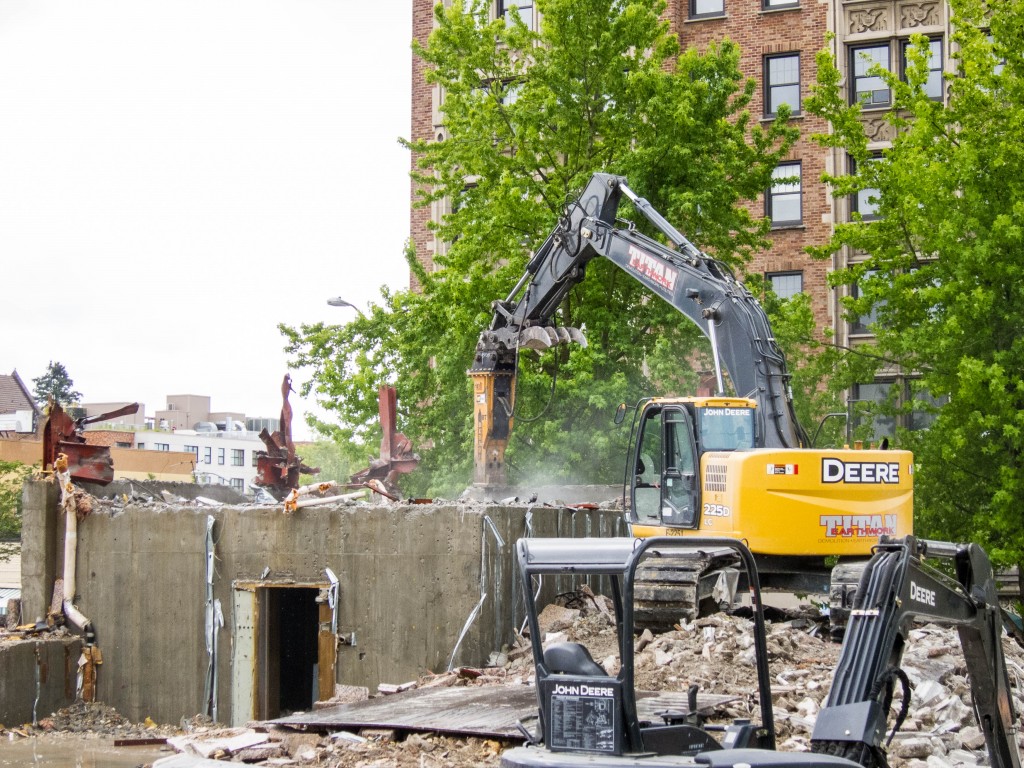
[179, 176]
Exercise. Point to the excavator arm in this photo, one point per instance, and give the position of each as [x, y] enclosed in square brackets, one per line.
[693, 282]
[897, 588]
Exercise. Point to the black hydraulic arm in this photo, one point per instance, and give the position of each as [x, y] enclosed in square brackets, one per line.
[898, 587]
[696, 284]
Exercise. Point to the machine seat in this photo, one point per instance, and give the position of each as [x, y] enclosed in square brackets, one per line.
[572, 659]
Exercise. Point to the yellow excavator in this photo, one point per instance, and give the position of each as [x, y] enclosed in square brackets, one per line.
[738, 465]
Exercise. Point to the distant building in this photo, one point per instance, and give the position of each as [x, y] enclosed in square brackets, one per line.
[19, 414]
[221, 446]
[218, 457]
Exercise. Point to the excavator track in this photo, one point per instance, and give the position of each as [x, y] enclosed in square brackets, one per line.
[666, 593]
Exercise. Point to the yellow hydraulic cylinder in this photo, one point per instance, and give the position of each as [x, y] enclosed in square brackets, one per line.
[493, 392]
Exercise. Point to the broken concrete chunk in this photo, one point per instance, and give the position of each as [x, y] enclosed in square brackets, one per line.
[555, 618]
[390, 688]
[929, 693]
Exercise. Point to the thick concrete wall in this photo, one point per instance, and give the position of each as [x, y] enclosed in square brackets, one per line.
[37, 677]
[40, 562]
[410, 579]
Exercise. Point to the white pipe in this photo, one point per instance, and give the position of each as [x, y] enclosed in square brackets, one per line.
[70, 508]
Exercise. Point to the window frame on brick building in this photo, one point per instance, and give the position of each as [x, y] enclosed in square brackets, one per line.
[859, 199]
[718, 12]
[937, 92]
[529, 20]
[861, 326]
[779, 189]
[779, 5]
[856, 60]
[770, 86]
[778, 280]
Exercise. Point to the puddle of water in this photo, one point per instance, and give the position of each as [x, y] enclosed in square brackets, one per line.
[75, 753]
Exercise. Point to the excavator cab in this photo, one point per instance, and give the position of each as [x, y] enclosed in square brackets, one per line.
[669, 438]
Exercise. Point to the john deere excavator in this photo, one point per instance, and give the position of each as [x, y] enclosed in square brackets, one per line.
[734, 465]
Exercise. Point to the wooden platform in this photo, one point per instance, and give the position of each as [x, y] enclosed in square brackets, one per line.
[489, 711]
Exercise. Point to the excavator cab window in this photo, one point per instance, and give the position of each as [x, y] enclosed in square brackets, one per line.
[726, 429]
[647, 472]
[679, 488]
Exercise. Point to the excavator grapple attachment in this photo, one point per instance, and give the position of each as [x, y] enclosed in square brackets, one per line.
[541, 337]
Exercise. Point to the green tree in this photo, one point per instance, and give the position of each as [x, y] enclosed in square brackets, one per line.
[945, 267]
[528, 117]
[331, 458]
[56, 384]
[12, 477]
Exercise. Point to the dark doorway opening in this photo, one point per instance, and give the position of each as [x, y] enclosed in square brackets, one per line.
[288, 649]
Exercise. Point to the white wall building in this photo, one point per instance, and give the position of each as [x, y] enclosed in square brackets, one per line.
[221, 457]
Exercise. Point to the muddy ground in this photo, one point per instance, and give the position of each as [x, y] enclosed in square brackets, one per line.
[716, 653]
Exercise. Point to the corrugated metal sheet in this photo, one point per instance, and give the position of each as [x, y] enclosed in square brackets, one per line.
[486, 711]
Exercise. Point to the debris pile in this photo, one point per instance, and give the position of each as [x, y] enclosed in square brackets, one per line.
[276, 746]
[716, 653]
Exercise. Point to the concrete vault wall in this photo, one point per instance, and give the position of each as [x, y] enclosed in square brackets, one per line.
[410, 578]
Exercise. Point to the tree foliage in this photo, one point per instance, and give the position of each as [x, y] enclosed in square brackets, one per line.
[528, 117]
[12, 477]
[944, 272]
[55, 384]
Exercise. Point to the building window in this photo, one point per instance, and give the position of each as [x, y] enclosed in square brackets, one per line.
[194, 449]
[256, 458]
[525, 8]
[865, 201]
[997, 68]
[933, 85]
[122, 445]
[238, 484]
[783, 201]
[868, 89]
[704, 8]
[866, 405]
[237, 457]
[771, 5]
[163, 446]
[863, 323]
[782, 83]
[220, 455]
[786, 285]
[142, 446]
[208, 455]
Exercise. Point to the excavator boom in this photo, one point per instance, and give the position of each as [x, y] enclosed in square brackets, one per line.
[696, 284]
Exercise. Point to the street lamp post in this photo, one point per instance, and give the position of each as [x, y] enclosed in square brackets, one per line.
[337, 301]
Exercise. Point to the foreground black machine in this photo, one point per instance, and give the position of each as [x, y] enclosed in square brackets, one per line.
[590, 718]
[585, 710]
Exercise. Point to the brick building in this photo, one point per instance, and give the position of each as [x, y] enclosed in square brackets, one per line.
[779, 40]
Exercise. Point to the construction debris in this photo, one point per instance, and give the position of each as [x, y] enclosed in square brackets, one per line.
[716, 653]
[278, 468]
[396, 455]
[63, 435]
